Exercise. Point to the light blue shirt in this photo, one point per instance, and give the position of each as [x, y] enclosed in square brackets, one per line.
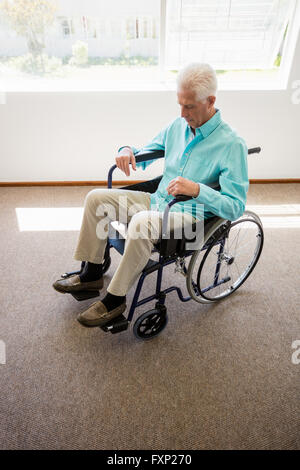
[214, 156]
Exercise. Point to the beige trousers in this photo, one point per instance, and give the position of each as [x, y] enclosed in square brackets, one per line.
[102, 206]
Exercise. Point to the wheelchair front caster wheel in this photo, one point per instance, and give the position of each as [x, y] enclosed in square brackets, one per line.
[150, 324]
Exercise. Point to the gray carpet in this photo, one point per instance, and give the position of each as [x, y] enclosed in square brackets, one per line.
[218, 377]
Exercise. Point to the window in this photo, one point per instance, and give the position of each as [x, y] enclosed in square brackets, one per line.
[89, 42]
[154, 32]
[65, 28]
[130, 28]
[245, 36]
[145, 27]
[137, 28]
[230, 34]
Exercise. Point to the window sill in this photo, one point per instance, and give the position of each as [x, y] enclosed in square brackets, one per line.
[46, 85]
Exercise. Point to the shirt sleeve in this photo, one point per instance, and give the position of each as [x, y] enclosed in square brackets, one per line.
[229, 202]
[157, 143]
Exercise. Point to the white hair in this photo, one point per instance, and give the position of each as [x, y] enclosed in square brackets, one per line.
[200, 78]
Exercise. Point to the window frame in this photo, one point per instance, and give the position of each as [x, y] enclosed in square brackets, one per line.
[163, 84]
[288, 52]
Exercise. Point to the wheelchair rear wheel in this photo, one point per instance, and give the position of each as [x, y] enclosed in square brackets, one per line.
[227, 262]
[150, 324]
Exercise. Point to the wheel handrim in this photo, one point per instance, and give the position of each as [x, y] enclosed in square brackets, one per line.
[227, 264]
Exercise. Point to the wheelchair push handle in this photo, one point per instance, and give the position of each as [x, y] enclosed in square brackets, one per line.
[254, 150]
[150, 155]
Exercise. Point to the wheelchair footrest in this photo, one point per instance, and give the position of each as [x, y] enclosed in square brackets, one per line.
[85, 294]
[116, 325]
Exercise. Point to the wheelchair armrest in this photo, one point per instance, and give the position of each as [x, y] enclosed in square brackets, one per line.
[139, 157]
[178, 198]
[150, 155]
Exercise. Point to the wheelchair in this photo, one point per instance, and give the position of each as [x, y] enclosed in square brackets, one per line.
[228, 255]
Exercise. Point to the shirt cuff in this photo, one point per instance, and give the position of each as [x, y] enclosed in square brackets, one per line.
[206, 194]
[124, 146]
[196, 197]
[129, 147]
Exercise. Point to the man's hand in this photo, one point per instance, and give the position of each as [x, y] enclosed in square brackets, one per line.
[126, 156]
[181, 185]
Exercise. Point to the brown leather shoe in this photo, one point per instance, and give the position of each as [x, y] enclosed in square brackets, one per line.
[97, 314]
[74, 284]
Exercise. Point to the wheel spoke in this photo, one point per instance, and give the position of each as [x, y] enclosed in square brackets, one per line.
[150, 324]
[216, 276]
[235, 264]
[241, 249]
[242, 239]
[236, 241]
[145, 328]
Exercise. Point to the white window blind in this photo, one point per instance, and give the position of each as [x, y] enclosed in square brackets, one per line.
[228, 34]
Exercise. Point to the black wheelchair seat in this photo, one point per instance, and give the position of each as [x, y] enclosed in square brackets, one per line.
[174, 247]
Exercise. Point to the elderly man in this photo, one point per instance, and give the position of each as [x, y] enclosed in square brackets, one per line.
[200, 149]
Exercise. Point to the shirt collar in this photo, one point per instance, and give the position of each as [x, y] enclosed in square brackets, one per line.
[209, 126]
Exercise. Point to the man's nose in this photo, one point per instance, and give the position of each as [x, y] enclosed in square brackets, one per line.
[183, 113]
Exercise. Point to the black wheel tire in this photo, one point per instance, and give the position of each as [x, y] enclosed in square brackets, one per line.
[253, 264]
[150, 324]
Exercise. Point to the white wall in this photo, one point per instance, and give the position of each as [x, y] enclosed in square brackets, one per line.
[74, 136]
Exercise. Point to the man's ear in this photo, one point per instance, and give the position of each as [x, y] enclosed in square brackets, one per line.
[211, 100]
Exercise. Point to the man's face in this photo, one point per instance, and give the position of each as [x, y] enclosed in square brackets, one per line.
[194, 112]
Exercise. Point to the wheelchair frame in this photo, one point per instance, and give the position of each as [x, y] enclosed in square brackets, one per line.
[215, 228]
